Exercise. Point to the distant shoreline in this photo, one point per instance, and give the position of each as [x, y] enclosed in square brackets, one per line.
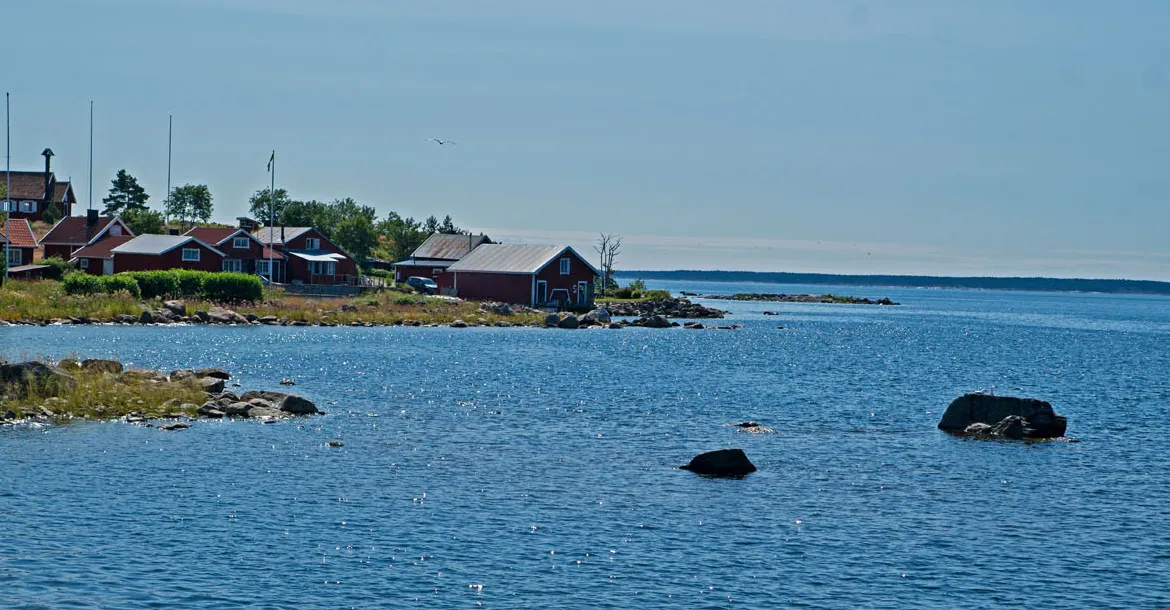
[1039, 284]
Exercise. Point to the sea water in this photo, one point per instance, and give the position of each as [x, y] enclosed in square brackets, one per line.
[534, 468]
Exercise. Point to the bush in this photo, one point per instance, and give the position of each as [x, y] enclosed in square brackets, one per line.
[155, 284]
[117, 283]
[232, 287]
[57, 268]
[656, 295]
[82, 283]
[405, 301]
[191, 283]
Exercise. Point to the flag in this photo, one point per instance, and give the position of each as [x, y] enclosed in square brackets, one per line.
[271, 160]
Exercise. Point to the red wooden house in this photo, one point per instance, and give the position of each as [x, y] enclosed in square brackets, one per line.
[18, 237]
[538, 276]
[158, 252]
[431, 259]
[73, 233]
[310, 258]
[242, 252]
[32, 193]
[98, 257]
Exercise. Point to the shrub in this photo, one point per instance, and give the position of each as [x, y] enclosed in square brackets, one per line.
[191, 283]
[232, 287]
[82, 283]
[117, 283]
[155, 284]
[656, 295]
[57, 268]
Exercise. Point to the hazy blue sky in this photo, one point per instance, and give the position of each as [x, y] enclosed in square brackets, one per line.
[991, 137]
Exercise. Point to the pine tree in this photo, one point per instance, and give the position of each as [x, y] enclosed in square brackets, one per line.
[125, 194]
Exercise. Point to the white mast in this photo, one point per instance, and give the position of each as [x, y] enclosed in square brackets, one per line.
[271, 213]
[166, 206]
[90, 194]
[7, 186]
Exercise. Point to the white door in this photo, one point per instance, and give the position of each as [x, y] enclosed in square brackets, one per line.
[108, 266]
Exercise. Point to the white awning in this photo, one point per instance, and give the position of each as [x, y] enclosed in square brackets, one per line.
[332, 257]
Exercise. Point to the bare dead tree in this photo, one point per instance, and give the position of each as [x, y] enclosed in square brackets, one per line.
[608, 247]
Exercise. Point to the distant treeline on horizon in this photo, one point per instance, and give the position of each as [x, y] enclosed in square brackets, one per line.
[1047, 284]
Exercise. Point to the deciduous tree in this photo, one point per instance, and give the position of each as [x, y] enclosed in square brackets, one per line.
[608, 247]
[190, 202]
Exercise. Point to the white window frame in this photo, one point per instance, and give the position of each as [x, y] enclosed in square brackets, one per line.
[262, 267]
[15, 257]
[233, 265]
[186, 255]
[240, 243]
[28, 206]
[565, 264]
[312, 243]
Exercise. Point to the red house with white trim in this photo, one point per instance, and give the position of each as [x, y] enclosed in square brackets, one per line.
[73, 233]
[22, 245]
[431, 259]
[310, 258]
[33, 192]
[538, 276]
[98, 257]
[242, 252]
[159, 252]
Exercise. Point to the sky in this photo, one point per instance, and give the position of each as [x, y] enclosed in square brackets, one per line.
[1001, 137]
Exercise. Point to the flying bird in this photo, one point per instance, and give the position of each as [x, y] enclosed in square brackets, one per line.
[440, 142]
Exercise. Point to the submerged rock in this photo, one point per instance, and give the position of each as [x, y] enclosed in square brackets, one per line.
[721, 463]
[1037, 419]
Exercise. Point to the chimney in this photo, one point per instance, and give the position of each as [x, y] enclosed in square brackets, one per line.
[91, 218]
[48, 154]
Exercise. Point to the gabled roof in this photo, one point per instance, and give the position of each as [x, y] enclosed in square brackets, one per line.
[216, 235]
[26, 185]
[20, 232]
[449, 247]
[279, 235]
[158, 244]
[75, 231]
[425, 262]
[101, 249]
[498, 258]
[63, 192]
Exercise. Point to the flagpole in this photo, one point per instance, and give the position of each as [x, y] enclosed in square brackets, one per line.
[166, 208]
[90, 193]
[271, 214]
[7, 186]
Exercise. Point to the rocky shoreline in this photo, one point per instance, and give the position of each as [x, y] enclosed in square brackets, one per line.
[43, 392]
[800, 298]
[676, 307]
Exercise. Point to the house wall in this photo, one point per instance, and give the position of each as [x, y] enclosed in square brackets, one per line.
[26, 254]
[61, 252]
[578, 272]
[439, 274]
[508, 288]
[298, 269]
[208, 261]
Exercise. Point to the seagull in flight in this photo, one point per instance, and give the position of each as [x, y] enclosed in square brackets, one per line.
[440, 142]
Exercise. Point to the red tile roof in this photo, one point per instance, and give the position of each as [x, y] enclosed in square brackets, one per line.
[20, 232]
[212, 235]
[273, 253]
[26, 185]
[102, 248]
[73, 231]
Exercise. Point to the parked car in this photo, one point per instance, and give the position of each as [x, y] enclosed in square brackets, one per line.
[422, 284]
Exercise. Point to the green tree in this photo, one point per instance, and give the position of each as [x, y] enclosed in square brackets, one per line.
[51, 214]
[258, 204]
[125, 194]
[190, 202]
[449, 227]
[357, 236]
[431, 225]
[400, 236]
[143, 221]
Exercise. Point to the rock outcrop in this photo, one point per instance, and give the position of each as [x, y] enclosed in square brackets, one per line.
[721, 463]
[669, 308]
[1003, 416]
[44, 377]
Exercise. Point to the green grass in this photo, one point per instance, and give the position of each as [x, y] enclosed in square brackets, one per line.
[104, 396]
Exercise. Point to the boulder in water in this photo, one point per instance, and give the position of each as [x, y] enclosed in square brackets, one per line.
[721, 463]
[1038, 418]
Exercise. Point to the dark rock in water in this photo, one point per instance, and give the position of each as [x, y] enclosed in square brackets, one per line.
[752, 427]
[216, 373]
[1040, 421]
[236, 409]
[978, 429]
[181, 374]
[721, 463]
[771, 313]
[551, 320]
[146, 317]
[334, 444]
[569, 322]
[43, 377]
[287, 381]
[298, 405]
[693, 325]
[175, 426]
[211, 385]
[1011, 427]
[112, 367]
[653, 322]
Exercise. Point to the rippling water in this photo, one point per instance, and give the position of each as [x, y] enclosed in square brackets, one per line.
[514, 468]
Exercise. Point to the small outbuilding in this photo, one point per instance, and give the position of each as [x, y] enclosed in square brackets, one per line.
[537, 276]
[435, 255]
[159, 252]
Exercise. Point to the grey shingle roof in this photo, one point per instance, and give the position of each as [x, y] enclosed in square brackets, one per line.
[156, 244]
[498, 258]
[449, 247]
[272, 235]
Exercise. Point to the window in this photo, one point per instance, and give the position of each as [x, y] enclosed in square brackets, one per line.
[234, 265]
[28, 206]
[312, 243]
[14, 257]
[262, 268]
[323, 268]
[191, 254]
[564, 266]
[115, 229]
[240, 243]
[85, 263]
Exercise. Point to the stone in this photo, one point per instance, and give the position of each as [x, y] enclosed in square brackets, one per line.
[45, 377]
[268, 320]
[694, 325]
[287, 381]
[771, 313]
[217, 373]
[67, 364]
[978, 429]
[144, 375]
[1040, 421]
[503, 324]
[615, 325]
[97, 365]
[226, 395]
[251, 318]
[175, 426]
[126, 318]
[146, 317]
[272, 397]
[178, 308]
[265, 413]
[211, 385]
[298, 405]
[221, 315]
[334, 444]
[598, 316]
[721, 463]
[1010, 427]
[459, 324]
[181, 374]
[236, 409]
[209, 409]
[654, 322]
[552, 320]
[569, 322]
[202, 316]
